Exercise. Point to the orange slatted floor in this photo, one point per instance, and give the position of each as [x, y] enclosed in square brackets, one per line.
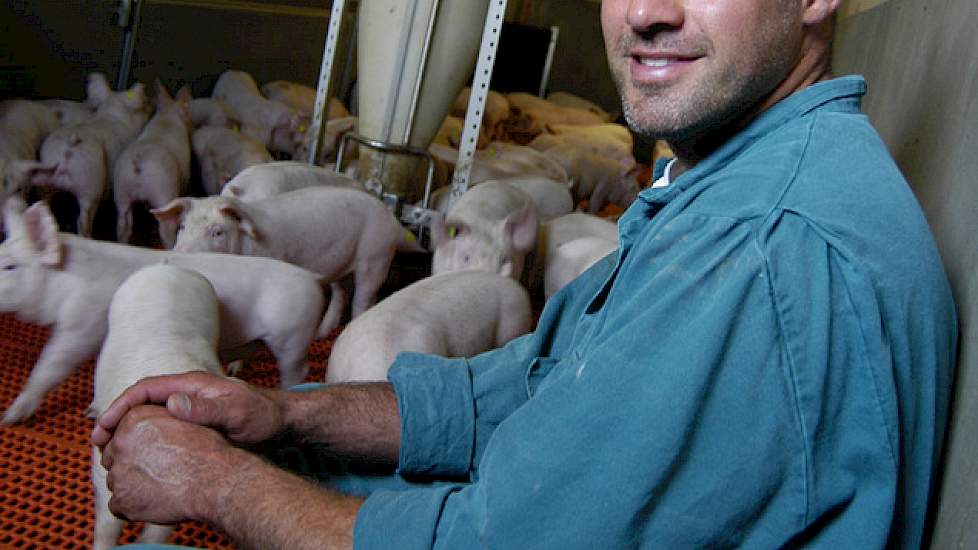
[46, 497]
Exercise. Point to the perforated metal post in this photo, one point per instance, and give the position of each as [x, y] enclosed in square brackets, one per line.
[127, 15]
[317, 129]
[477, 98]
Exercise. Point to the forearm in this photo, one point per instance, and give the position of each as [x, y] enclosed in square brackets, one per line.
[357, 420]
[261, 506]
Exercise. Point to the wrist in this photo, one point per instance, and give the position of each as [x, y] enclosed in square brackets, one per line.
[215, 494]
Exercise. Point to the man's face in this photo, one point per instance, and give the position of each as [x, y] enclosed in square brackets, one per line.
[685, 68]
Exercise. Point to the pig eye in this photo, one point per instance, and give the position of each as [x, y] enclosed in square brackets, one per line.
[10, 267]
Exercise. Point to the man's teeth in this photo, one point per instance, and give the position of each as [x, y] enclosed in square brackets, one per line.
[656, 62]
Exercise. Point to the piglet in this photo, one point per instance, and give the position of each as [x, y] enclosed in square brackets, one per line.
[162, 320]
[302, 98]
[491, 222]
[79, 158]
[262, 181]
[70, 112]
[458, 314]
[279, 127]
[208, 111]
[156, 167]
[558, 231]
[223, 153]
[494, 116]
[571, 259]
[597, 178]
[23, 126]
[65, 281]
[333, 231]
[566, 99]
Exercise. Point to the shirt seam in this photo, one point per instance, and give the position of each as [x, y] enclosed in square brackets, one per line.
[779, 313]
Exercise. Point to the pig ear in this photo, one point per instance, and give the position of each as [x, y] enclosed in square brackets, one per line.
[520, 228]
[184, 95]
[13, 209]
[506, 270]
[299, 123]
[238, 214]
[24, 173]
[161, 92]
[234, 190]
[97, 89]
[439, 231]
[41, 231]
[136, 96]
[173, 211]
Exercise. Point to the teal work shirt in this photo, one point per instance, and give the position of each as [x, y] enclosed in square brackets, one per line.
[765, 362]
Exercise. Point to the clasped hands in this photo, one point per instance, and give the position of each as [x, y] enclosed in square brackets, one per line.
[169, 443]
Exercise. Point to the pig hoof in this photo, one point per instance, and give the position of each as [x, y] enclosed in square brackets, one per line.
[18, 412]
[235, 367]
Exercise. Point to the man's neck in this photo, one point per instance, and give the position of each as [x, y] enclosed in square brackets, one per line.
[813, 66]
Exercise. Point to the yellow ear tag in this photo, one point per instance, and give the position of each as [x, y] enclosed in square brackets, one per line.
[409, 237]
[235, 127]
[130, 94]
[302, 129]
[451, 232]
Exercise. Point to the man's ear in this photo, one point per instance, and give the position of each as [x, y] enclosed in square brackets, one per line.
[819, 11]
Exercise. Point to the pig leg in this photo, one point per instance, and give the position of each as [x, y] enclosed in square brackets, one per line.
[62, 354]
[370, 275]
[155, 534]
[337, 301]
[123, 226]
[86, 215]
[108, 528]
[290, 354]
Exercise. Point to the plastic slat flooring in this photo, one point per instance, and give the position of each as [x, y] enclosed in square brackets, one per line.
[46, 496]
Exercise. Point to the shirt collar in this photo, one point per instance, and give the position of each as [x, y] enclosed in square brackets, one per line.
[845, 93]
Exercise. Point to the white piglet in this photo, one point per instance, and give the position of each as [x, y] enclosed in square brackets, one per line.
[491, 227]
[279, 127]
[223, 153]
[66, 282]
[571, 259]
[262, 181]
[162, 320]
[333, 231]
[155, 168]
[457, 314]
[79, 158]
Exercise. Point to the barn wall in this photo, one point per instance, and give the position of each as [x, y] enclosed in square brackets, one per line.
[920, 58]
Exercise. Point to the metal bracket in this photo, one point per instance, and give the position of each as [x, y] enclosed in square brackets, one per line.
[317, 129]
[415, 217]
[477, 98]
[128, 15]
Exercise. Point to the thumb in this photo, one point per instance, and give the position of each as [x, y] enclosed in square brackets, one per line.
[197, 410]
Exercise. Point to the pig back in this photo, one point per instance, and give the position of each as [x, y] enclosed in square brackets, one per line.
[162, 320]
[466, 309]
[326, 229]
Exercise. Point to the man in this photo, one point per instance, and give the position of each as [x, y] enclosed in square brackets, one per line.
[765, 363]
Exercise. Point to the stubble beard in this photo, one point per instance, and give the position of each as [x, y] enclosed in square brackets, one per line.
[718, 100]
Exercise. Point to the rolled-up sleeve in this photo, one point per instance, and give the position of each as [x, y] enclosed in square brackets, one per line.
[434, 399]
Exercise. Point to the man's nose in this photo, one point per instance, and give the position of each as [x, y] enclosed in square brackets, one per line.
[644, 15]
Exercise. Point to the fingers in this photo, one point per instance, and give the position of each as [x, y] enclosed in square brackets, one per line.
[156, 389]
[206, 411]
